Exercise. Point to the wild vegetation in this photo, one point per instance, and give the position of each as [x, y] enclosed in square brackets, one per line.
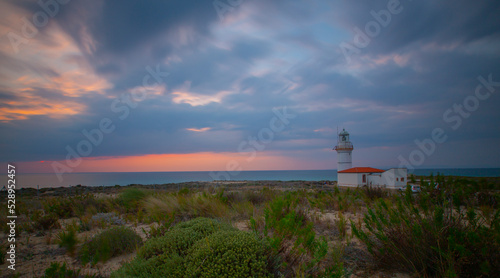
[109, 243]
[451, 229]
[298, 229]
[199, 248]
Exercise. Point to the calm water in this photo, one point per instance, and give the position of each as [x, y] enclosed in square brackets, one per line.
[109, 179]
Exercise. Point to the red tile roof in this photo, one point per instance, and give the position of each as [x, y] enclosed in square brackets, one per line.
[362, 170]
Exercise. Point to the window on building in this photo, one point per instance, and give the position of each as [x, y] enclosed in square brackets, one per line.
[364, 178]
[397, 179]
[402, 179]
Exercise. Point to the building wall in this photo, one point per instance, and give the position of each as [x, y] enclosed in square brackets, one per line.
[374, 179]
[395, 177]
[392, 178]
[349, 179]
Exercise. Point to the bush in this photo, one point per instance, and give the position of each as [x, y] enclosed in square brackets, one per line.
[341, 223]
[295, 249]
[109, 243]
[437, 242]
[45, 222]
[181, 237]
[373, 193]
[68, 240]
[85, 223]
[166, 256]
[62, 207]
[175, 241]
[205, 226]
[130, 197]
[56, 270]
[227, 254]
[66, 207]
[160, 229]
[166, 265]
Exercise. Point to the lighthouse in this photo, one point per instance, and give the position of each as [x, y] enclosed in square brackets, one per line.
[344, 151]
[364, 176]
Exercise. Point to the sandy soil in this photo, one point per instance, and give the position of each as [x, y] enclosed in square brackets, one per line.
[35, 253]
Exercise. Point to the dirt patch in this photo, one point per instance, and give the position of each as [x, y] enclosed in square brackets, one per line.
[242, 225]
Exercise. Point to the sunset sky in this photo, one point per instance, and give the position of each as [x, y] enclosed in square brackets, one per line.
[126, 85]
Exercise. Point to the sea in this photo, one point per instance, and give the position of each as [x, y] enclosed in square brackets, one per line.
[126, 178]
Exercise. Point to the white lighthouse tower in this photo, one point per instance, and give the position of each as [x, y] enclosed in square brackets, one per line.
[344, 151]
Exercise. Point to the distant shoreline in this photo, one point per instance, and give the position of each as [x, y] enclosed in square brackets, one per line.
[126, 178]
[197, 185]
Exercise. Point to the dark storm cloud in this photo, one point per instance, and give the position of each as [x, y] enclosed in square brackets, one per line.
[141, 21]
[421, 22]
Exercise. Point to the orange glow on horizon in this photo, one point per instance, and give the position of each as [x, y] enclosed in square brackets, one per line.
[204, 161]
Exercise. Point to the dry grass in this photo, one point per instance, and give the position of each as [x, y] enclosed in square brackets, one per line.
[186, 206]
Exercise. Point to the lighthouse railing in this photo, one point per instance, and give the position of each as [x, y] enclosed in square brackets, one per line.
[344, 146]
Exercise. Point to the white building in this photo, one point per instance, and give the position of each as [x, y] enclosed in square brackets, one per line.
[364, 176]
[368, 176]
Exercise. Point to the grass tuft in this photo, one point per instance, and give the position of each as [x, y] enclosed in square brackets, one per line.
[68, 239]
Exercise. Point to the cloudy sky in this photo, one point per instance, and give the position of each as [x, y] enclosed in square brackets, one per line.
[130, 85]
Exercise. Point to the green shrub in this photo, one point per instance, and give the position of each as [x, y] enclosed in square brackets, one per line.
[165, 265]
[68, 240]
[205, 226]
[62, 207]
[164, 225]
[295, 248]
[175, 241]
[244, 209]
[438, 242]
[130, 197]
[342, 225]
[181, 237]
[109, 243]
[164, 256]
[260, 197]
[56, 270]
[85, 223]
[227, 254]
[66, 207]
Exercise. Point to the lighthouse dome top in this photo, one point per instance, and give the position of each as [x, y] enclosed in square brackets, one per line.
[343, 132]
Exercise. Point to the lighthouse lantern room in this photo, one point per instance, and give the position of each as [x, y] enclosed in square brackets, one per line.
[344, 151]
